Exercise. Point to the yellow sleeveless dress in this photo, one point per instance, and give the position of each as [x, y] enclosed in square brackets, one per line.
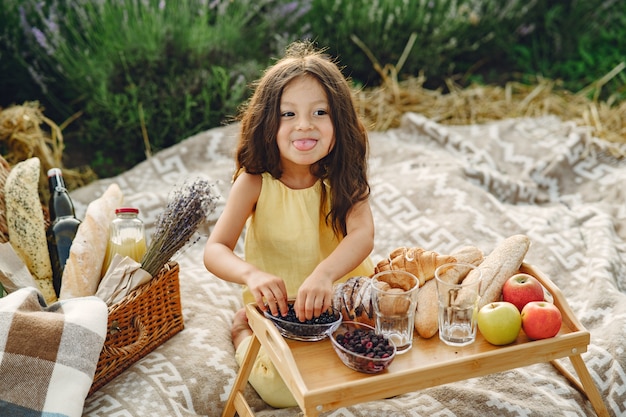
[287, 237]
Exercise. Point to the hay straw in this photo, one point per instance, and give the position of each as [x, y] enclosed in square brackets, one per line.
[382, 107]
[23, 137]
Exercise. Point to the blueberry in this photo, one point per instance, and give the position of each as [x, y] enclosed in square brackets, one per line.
[327, 317]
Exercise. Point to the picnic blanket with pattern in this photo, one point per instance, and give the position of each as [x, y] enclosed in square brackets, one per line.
[433, 186]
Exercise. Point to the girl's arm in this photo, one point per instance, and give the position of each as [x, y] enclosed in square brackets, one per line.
[316, 292]
[219, 257]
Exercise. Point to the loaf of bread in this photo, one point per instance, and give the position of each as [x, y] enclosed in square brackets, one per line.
[13, 272]
[83, 268]
[26, 225]
[501, 264]
[5, 168]
[353, 299]
[426, 321]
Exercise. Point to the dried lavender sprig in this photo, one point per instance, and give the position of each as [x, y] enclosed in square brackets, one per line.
[188, 207]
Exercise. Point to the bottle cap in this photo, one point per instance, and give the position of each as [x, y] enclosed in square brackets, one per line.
[54, 171]
[126, 210]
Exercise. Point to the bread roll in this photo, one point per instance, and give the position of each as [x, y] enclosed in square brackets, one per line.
[83, 268]
[426, 321]
[501, 264]
[390, 305]
[26, 225]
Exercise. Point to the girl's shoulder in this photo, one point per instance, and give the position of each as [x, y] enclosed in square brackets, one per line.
[248, 183]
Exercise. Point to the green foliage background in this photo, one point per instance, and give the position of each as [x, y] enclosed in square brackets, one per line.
[140, 75]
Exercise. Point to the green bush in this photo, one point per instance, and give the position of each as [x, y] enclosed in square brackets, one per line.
[135, 75]
[16, 82]
[448, 33]
[490, 41]
[144, 71]
[576, 42]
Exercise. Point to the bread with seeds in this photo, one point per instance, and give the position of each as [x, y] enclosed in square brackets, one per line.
[26, 224]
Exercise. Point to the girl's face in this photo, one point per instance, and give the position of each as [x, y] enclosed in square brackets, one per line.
[306, 133]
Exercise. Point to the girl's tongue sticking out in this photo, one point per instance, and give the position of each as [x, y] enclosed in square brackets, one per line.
[304, 144]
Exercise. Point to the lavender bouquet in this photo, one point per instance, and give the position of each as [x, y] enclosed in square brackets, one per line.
[188, 208]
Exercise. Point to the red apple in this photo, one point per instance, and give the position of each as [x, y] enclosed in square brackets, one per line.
[521, 289]
[541, 320]
[499, 322]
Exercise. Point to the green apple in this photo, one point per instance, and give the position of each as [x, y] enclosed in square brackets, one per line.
[499, 322]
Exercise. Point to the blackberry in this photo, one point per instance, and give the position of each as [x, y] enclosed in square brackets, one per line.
[366, 342]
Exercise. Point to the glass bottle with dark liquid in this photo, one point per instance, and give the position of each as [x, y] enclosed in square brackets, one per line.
[63, 225]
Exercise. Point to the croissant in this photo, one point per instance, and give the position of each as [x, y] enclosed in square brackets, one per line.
[418, 261]
[393, 306]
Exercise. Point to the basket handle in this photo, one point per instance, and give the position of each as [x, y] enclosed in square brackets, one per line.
[133, 347]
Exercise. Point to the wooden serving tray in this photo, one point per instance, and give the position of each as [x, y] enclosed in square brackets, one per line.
[320, 382]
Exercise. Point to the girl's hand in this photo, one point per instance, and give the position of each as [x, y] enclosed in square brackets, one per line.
[315, 296]
[271, 288]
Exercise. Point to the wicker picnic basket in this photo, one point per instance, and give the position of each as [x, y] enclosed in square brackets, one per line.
[143, 320]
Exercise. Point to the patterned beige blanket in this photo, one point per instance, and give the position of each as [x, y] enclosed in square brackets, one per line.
[439, 188]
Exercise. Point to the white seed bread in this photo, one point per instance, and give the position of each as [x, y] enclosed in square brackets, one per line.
[5, 168]
[426, 321]
[13, 271]
[83, 268]
[501, 264]
[26, 224]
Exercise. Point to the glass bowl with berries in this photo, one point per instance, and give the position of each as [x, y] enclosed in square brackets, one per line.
[312, 330]
[361, 349]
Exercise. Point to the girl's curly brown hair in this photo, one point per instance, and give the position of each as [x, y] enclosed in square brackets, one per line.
[344, 169]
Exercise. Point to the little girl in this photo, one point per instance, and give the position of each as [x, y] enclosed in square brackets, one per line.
[301, 191]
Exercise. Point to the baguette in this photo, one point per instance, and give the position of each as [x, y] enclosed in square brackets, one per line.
[83, 268]
[501, 264]
[426, 321]
[26, 224]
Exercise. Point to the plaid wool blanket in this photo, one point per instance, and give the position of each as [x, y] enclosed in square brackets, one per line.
[48, 354]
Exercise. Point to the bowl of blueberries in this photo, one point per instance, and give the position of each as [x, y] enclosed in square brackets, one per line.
[312, 330]
[361, 349]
